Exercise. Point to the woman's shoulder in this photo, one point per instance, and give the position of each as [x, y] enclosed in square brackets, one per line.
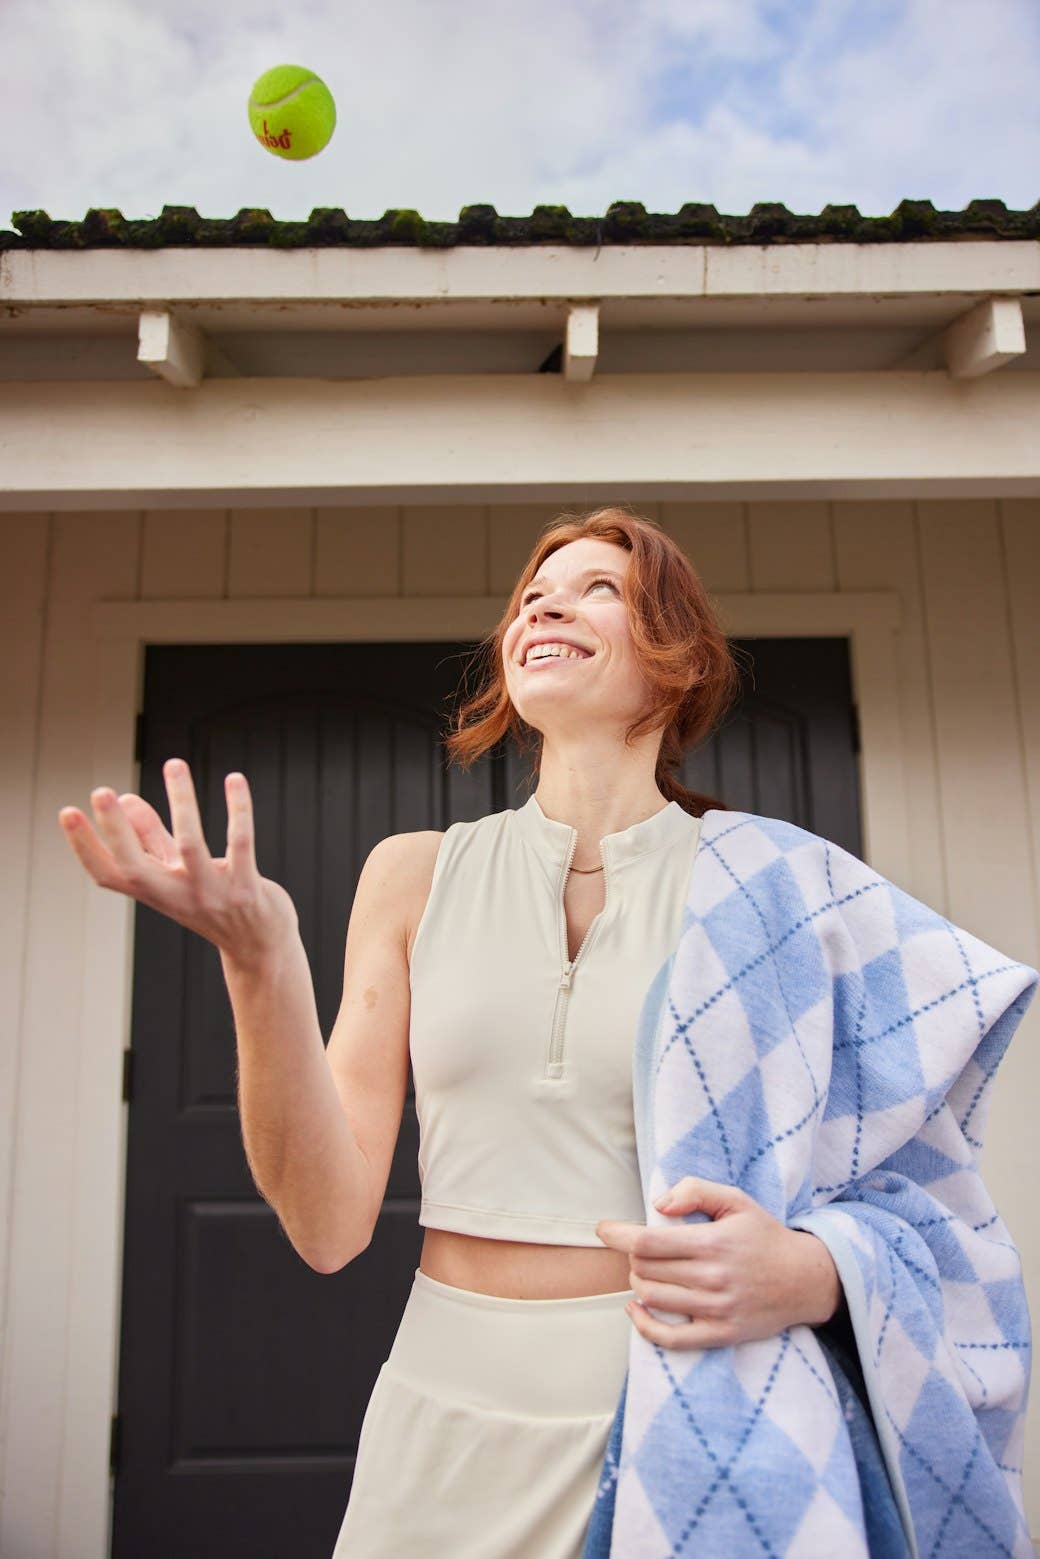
[423, 844]
[415, 857]
[418, 853]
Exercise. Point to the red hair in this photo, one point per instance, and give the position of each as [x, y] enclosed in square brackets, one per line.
[679, 646]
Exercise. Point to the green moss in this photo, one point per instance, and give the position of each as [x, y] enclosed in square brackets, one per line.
[407, 225]
[252, 225]
[627, 219]
[915, 219]
[841, 222]
[35, 226]
[695, 219]
[104, 225]
[174, 225]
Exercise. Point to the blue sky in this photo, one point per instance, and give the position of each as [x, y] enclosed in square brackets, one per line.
[444, 103]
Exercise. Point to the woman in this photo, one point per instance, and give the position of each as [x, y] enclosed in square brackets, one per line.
[530, 937]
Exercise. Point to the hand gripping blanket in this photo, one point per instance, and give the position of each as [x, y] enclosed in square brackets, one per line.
[828, 1043]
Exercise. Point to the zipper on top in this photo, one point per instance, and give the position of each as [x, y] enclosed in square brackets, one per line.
[554, 1065]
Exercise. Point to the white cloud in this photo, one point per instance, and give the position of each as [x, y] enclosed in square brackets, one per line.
[450, 102]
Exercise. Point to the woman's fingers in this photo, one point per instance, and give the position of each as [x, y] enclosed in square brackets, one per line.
[226, 901]
[132, 844]
[150, 828]
[241, 851]
[184, 815]
[115, 859]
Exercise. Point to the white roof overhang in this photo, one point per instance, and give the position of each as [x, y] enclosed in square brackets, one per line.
[145, 377]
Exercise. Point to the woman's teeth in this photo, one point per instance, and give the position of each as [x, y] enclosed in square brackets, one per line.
[554, 652]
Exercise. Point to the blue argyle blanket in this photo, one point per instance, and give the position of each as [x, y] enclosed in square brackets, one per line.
[828, 1043]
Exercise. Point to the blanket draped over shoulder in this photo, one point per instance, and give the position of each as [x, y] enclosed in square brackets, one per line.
[827, 1043]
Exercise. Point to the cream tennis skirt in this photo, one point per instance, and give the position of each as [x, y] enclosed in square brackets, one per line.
[486, 1430]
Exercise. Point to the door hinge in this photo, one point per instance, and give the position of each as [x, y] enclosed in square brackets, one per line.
[115, 1442]
[854, 724]
[139, 738]
[128, 1074]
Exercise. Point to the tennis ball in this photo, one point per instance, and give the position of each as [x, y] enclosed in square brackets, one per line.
[291, 112]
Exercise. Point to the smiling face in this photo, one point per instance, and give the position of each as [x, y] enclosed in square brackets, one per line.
[576, 599]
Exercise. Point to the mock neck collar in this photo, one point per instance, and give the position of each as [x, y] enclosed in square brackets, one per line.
[552, 839]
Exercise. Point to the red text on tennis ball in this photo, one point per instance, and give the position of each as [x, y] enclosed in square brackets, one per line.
[291, 112]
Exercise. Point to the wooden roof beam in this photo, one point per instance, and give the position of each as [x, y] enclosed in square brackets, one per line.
[989, 335]
[172, 349]
[177, 351]
[581, 342]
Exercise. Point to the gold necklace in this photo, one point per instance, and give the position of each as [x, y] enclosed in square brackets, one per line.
[586, 869]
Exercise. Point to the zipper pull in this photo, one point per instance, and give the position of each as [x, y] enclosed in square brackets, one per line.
[565, 978]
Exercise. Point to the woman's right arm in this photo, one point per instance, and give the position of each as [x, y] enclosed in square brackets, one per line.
[320, 1127]
[305, 1154]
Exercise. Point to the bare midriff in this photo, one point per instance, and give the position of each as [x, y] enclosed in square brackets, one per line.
[520, 1269]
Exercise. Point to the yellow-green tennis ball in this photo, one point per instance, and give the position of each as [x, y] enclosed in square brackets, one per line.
[291, 112]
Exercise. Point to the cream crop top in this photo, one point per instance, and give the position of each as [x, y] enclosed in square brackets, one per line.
[522, 1062]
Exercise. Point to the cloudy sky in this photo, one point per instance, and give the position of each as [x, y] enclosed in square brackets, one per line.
[444, 103]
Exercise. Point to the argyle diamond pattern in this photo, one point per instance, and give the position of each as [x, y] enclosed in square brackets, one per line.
[828, 1043]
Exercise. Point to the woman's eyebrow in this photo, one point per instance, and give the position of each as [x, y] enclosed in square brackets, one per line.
[541, 580]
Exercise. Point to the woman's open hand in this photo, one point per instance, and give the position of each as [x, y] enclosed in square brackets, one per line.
[226, 900]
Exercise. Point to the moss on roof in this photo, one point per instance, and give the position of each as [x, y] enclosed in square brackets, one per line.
[625, 222]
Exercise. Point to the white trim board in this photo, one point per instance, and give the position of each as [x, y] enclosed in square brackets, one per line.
[816, 271]
[122, 630]
[404, 439]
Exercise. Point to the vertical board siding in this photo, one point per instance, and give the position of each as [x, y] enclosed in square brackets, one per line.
[25, 539]
[876, 549]
[358, 551]
[716, 538]
[92, 556]
[271, 552]
[1020, 536]
[184, 554]
[791, 546]
[981, 789]
[444, 550]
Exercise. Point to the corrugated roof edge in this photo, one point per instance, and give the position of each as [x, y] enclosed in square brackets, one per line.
[625, 222]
